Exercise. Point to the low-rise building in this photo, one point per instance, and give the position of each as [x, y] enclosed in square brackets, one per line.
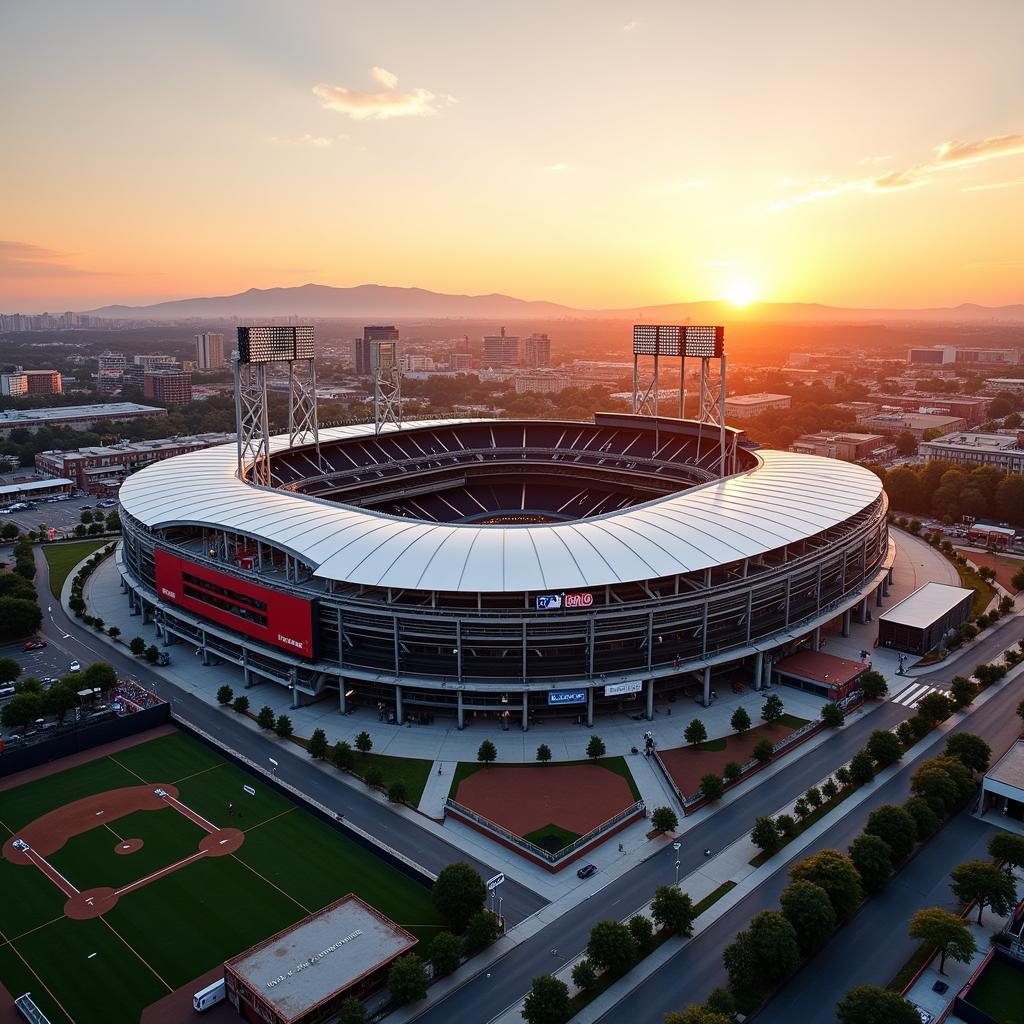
[1005, 451]
[31, 382]
[1002, 789]
[993, 535]
[19, 490]
[971, 409]
[746, 407]
[919, 622]
[916, 423]
[101, 469]
[846, 446]
[541, 382]
[75, 417]
[1014, 385]
[940, 355]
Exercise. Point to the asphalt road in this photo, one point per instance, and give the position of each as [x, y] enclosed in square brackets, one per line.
[67, 640]
[872, 948]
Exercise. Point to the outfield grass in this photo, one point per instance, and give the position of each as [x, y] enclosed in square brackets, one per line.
[562, 835]
[1000, 993]
[618, 765]
[168, 932]
[62, 558]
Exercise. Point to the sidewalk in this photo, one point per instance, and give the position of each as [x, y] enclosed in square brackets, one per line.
[435, 792]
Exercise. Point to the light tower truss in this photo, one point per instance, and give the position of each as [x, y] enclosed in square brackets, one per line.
[387, 384]
[251, 422]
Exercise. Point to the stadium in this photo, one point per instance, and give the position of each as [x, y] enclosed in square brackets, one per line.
[512, 569]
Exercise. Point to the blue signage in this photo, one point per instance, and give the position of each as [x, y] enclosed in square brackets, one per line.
[567, 696]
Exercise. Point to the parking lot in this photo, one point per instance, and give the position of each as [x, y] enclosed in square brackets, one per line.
[62, 516]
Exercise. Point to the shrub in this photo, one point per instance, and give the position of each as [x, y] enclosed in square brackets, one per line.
[481, 931]
[225, 695]
[374, 777]
[832, 715]
[595, 748]
[733, 771]
[829, 789]
[241, 704]
[763, 751]
[318, 745]
[283, 726]
[407, 979]
[363, 742]
[711, 786]
[265, 718]
[397, 792]
[543, 753]
[445, 953]
[342, 756]
[905, 733]
[740, 720]
[786, 825]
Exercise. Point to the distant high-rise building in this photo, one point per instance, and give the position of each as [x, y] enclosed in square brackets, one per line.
[13, 385]
[361, 347]
[31, 382]
[135, 372]
[210, 351]
[110, 372]
[501, 349]
[537, 351]
[172, 387]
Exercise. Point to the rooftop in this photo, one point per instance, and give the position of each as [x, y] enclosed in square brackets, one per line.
[762, 396]
[925, 605]
[156, 445]
[34, 485]
[327, 952]
[1009, 769]
[75, 412]
[981, 442]
[916, 420]
[821, 668]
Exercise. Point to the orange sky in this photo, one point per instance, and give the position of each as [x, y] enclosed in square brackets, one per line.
[596, 154]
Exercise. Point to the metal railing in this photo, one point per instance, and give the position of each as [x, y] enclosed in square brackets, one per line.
[538, 851]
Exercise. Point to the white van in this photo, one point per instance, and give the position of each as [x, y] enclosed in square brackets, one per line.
[209, 996]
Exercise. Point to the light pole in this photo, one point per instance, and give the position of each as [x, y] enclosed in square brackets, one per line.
[273, 769]
[677, 872]
[677, 847]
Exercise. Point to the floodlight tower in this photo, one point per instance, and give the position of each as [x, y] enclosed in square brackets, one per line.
[259, 347]
[387, 384]
[703, 342]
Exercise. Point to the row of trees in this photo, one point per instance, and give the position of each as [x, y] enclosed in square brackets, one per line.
[487, 752]
[20, 614]
[31, 701]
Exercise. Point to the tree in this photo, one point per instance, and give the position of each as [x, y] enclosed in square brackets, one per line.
[873, 684]
[137, 645]
[318, 745]
[241, 704]
[711, 786]
[152, 655]
[265, 718]
[342, 757]
[896, 825]
[801, 808]
[351, 1011]
[543, 753]
[763, 955]
[872, 858]
[837, 875]
[813, 797]
[771, 710]
[595, 748]
[733, 771]
[807, 908]
[829, 789]
[945, 782]
[407, 979]
[720, 1000]
[1007, 847]
[884, 747]
[945, 932]
[984, 883]
[1018, 580]
[481, 931]
[695, 732]
[906, 443]
[963, 690]
[765, 836]
[113, 632]
[664, 819]
[363, 742]
[18, 617]
[60, 699]
[672, 910]
[862, 768]
[283, 726]
[740, 720]
[926, 820]
[21, 709]
[397, 792]
[98, 623]
[763, 751]
[972, 750]
[225, 695]
[786, 825]
[934, 706]
[642, 930]
[611, 947]
[487, 752]
[868, 1004]
[583, 974]
[547, 1002]
[700, 1015]
[832, 715]
[9, 670]
[458, 894]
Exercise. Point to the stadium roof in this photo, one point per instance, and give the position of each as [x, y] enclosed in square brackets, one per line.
[786, 499]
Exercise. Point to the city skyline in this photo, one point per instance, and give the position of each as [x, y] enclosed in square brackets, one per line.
[599, 156]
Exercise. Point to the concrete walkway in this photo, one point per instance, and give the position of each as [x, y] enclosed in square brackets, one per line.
[436, 791]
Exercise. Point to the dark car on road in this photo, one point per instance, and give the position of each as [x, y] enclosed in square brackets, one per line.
[586, 871]
[34, 645]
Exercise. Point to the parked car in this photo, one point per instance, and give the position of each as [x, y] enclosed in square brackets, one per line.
[75, 666]
[586, 871]
[34, 645]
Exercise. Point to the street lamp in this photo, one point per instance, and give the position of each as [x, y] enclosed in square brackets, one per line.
[274, 765]
[677, 847]
[677, 872]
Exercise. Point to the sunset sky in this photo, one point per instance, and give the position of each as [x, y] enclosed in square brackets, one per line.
[596, 154]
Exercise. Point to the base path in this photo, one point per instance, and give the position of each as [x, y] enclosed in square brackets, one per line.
[524, 798]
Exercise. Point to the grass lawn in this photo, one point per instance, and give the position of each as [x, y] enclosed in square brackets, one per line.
[62, 558]
[983, 592]
[712, 898]
[792, 721]
[1000, 993]
[162, 935]
[551, 838]
[617, 765]
[413, 771]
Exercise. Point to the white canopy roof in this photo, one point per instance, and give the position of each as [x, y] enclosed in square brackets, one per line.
[785, 499]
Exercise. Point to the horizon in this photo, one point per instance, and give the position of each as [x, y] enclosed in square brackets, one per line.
[565, 155]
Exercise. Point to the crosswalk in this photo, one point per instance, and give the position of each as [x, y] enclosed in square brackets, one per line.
[912, 694]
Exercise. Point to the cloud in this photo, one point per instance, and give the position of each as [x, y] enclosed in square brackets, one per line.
[22, 259]
[558, 168]
[316, 141]
[947, 155]
[386, 78]
[631, 26]
[994, 184]
[873, 160]
[380, 106]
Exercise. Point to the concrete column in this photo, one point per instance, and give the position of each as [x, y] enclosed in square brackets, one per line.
[707, 687]
[766, 680]
[398, 705]
[864, 611]
[590, 706]
[816, 639]
[888, 575]
[885, 586]
[462, 719]
[293, 675]
[847, 617]
[650, 700]
[342, 704]
[206, 653]
[758, 670]
[526, 711]
[247, 679]
[878, 597]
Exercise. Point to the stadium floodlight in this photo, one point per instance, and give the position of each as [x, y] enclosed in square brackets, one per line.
[274, 344]
[698, 341]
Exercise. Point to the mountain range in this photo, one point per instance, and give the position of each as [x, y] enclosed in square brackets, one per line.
[383, 302]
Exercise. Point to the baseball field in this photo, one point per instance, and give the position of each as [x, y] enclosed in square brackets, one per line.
[128, 876]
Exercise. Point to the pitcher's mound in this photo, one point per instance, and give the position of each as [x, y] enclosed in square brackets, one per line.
[128, 846]
[90, 903]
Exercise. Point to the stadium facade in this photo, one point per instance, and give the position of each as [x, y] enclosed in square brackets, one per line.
[504, 568]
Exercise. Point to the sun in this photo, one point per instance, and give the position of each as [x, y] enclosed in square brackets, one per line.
[740, 292]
